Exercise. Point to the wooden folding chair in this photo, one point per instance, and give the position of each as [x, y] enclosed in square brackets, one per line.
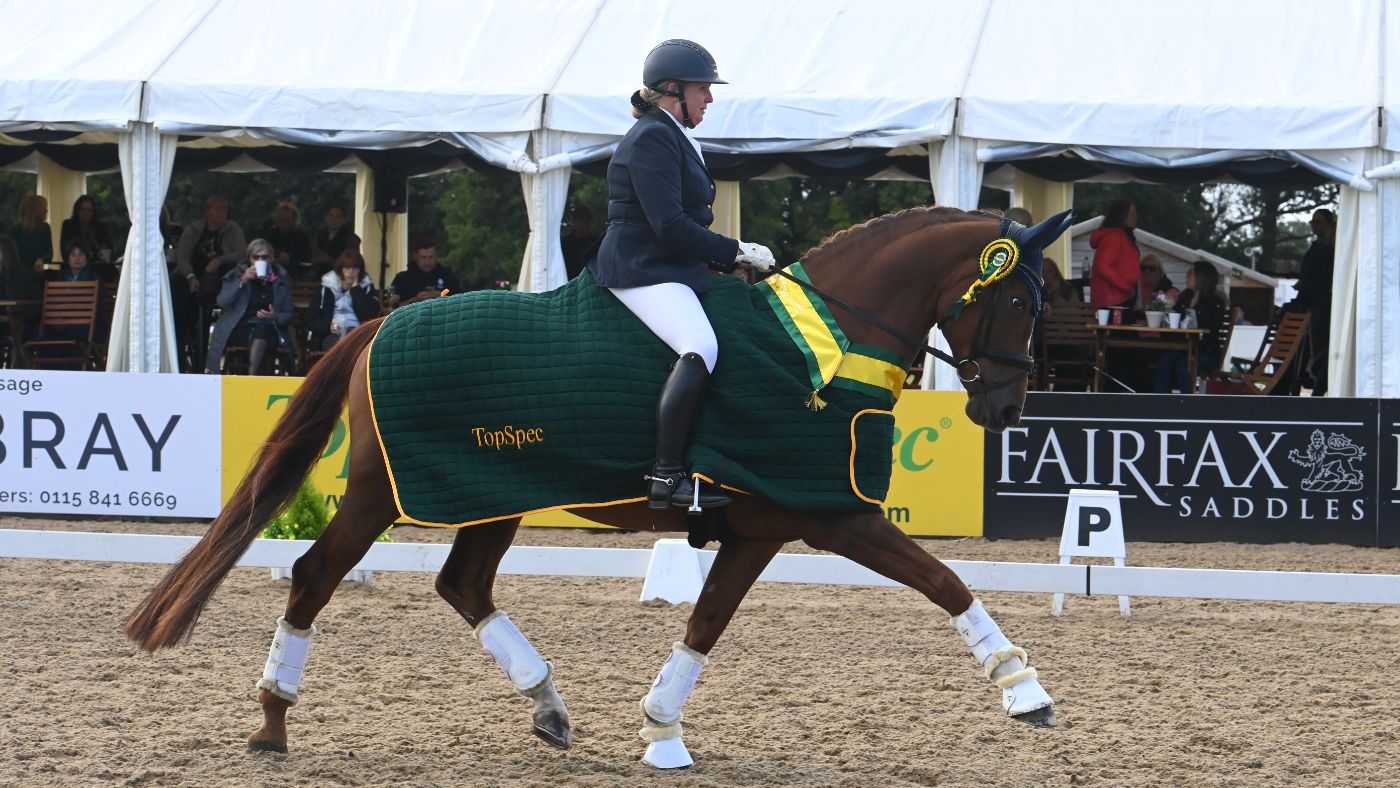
[68, 308]
[1242, 364]
[102, 332]
[1274, 362]
[1066, 349]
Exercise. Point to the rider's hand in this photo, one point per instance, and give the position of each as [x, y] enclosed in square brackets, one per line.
[755, 256]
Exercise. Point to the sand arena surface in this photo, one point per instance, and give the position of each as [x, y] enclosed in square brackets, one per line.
[810, 685]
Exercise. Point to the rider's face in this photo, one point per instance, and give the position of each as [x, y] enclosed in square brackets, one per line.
[697, 98]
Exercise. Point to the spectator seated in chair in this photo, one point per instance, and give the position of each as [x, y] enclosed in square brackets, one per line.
[256, 300]
[347, 298]
[1201, 295]
[333, 239]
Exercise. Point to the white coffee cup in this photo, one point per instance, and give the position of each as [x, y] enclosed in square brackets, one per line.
[1102, 315]
[1173, 320]
[261, 266]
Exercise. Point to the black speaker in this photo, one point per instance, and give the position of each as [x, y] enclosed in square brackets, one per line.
[390, 191]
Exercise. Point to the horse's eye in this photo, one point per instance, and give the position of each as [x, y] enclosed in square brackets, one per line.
[1018, 303]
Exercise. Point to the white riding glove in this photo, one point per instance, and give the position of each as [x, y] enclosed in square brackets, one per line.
[756, 256]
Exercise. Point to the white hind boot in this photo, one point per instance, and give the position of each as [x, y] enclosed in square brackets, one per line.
[529, 673]
[1003, 663]
[661, 708]
[286, 661]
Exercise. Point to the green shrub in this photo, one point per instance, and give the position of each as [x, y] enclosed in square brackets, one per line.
[306, 517]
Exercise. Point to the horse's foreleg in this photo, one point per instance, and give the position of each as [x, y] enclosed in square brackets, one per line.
[465, 581]
[737, 565]
[873, 542]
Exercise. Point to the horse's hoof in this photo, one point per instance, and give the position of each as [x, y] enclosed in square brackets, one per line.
[668, 754]
[1043, 717]
[553, 729]
[263, 745]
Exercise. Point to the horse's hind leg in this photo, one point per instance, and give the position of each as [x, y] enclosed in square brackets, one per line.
[367, 509]
[737, 565]
[873, 542]
[465, 581]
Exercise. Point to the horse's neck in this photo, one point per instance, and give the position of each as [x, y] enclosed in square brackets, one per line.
[902, 283]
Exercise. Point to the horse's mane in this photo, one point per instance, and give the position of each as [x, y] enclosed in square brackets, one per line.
[922, 216]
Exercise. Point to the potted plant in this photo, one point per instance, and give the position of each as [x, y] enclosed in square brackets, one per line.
[1157, 309]
[306, 517]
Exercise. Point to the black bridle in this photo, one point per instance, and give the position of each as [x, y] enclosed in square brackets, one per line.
[1020, 361]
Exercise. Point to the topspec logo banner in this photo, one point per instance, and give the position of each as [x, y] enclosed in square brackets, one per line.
[109, 443]
[1254, 469]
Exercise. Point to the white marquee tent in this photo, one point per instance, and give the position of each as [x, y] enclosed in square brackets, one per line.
[536, 86]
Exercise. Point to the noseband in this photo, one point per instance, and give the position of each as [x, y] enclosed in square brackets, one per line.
[1020, 361]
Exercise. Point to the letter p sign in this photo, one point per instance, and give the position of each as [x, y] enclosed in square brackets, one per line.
[1093, 525]
[1092, 519]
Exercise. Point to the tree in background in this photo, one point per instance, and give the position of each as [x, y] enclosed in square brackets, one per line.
[1265, 229]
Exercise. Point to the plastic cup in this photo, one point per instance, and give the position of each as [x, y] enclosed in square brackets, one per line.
[1102, 315]
[1173, 320]
[261, 266]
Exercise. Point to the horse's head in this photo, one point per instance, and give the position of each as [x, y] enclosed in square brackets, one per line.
[989, 327]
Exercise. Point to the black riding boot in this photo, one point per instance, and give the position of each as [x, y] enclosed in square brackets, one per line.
[670, 484]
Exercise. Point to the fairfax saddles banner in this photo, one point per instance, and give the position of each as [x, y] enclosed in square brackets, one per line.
[1202, 468]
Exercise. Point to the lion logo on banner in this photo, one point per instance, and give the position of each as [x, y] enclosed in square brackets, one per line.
[1331, 463]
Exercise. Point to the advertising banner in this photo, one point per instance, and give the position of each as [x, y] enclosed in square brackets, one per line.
[1388, 485]
[1195, 468]
[252, 406]
[109, 444]
[936, 489]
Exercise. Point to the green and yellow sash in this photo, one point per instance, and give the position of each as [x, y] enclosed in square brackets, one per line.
[831, 358]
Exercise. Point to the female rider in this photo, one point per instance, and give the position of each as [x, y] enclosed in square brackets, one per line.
[658, 252]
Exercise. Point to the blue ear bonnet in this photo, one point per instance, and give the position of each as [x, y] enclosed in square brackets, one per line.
[1032, 264]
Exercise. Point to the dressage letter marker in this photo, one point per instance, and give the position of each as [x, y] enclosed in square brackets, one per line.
[1093, 528]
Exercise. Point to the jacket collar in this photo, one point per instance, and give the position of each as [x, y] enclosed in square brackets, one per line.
[658, 115]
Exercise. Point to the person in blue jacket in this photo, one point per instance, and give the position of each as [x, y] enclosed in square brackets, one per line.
[658, 252]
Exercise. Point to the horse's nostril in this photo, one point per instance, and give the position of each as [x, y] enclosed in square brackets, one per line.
[1011, 415]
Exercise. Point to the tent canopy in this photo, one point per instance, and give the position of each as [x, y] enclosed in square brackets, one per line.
[79, 63]
[873, 72]
[424, 66]
[1248, 74]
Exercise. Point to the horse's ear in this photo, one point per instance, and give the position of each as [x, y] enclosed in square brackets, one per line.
[1045, 233]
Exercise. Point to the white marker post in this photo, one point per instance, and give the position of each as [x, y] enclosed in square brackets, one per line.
[1094, 529]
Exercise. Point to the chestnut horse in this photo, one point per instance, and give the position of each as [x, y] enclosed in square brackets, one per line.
[905, 272]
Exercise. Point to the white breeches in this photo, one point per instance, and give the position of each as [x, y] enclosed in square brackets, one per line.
[672, 311]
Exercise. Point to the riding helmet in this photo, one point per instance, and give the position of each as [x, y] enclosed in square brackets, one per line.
[681, 60]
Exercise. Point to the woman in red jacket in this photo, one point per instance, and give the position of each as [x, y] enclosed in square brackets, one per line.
[1116, 256]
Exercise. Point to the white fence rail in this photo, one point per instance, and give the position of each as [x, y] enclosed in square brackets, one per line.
[675, 572]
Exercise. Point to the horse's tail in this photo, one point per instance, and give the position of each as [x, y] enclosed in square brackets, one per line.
[168, 613]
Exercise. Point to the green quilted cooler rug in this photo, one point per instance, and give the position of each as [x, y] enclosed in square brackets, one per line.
[495, 403]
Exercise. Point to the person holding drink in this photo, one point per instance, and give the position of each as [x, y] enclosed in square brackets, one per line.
[256, 299]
